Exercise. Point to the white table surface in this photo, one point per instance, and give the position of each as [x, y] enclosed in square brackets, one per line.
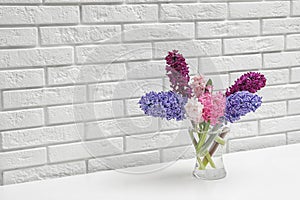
[272, 173]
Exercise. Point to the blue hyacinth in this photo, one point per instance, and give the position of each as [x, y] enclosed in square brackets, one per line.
[167, 105]
[241, 103]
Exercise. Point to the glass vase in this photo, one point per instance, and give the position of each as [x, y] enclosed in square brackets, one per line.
[209, 151]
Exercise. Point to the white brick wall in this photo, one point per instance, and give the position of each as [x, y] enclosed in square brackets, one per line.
[24, 15]
[72, 71]
[259, 9]
[14, 37]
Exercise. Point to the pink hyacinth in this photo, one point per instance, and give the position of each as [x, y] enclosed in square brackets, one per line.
[198, 85]
[213, 107]
[206, 100]
[218, 107]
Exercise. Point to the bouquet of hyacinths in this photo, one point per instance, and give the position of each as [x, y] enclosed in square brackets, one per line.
[209, 112]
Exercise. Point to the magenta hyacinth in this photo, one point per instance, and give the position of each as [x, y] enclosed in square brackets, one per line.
[251, 82]
[178, 73]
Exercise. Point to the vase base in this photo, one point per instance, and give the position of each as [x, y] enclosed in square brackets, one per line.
[210, 174]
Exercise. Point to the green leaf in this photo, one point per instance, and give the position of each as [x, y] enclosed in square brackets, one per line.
[209, 82]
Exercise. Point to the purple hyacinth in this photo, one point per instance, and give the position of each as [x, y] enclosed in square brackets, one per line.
[178, 73]
[251, 82]
[168, 105]
[241, 103]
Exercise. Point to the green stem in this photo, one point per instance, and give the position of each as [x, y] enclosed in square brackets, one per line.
[209, 159]
[215, 145]
[201, 165]
[201, 142]
[193, 139]
[202, 136]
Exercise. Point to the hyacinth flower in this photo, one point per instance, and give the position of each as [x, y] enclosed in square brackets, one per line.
[213, 105]
[178, 73]
[166, 105]
[251, 82]
[241, 103]
[208, 111]
[198, 86]
[194, 110]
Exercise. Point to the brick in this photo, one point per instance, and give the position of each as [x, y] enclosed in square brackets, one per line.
[280, 92]
[189, 48]
[173, 125]
[154, 69]
[157, 140]
[82, 1]
[243, 129]
[157, 1]
[269, 126]
[295, 8]
[219, 0]
[271, 109]
[293, 137]
[253, 44]
[39, 15]
[21, 119]
[21, 78]
[132, 107]
[227, 29]
[24, 158]
[293, 41]
[173, 154]
[85, 150]
[256, 142]
[122, 90]
[36, 57]
[85, 112]
[119, 13]
[124, 161]
[41, 136]
[278, 76]
[230, 63]
[120, 127]
[281, 26]
[284, 59]
[142, 70]
[14, 37]
[175, 12]
[295, 75]
[20, 1]
[165, 31]
[86, 74]
[113, 52]
[42, 97]
[294, 106]
[80, 34]
[259, 9]
[44, 172]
